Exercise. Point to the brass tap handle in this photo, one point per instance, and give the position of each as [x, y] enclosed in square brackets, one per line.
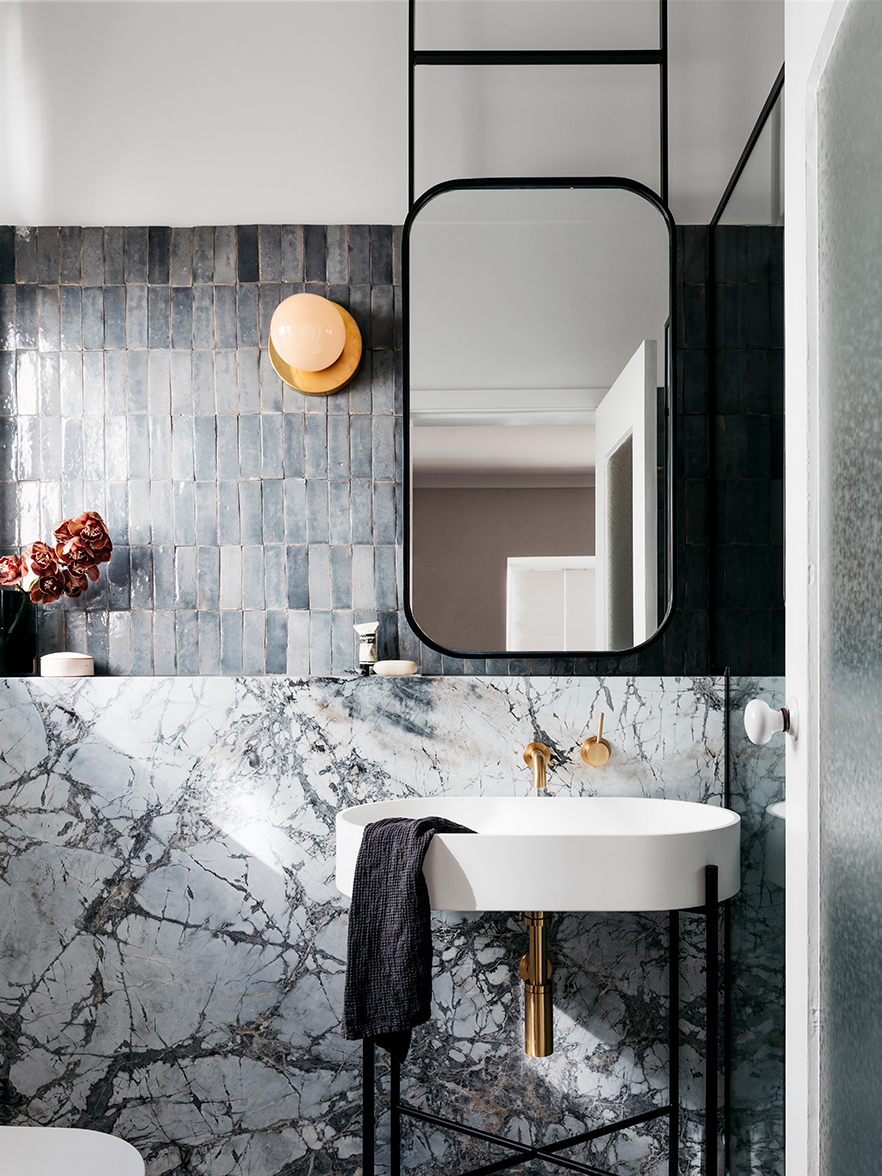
[595, 750]
[537, 755]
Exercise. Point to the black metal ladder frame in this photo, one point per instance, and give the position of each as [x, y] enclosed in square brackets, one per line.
[523, 1152]
[436, 57]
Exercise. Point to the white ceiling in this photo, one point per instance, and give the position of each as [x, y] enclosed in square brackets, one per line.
[287, 111]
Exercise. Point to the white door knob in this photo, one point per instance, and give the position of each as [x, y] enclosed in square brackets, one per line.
[761, 721]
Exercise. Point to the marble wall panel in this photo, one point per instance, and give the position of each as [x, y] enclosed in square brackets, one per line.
[173, 945]
[756, 1062]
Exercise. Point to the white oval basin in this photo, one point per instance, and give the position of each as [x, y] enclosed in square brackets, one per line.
[562, 853]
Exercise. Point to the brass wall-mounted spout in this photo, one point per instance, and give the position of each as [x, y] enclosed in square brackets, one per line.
[535, 971]
[537, 756]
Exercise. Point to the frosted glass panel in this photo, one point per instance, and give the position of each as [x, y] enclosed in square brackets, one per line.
[850, 377]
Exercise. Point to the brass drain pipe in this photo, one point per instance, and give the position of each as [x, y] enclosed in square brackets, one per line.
[535, 971]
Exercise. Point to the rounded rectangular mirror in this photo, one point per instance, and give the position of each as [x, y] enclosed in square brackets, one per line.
[537, 378]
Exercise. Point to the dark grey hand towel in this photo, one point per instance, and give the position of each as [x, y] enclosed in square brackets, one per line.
[389, 966]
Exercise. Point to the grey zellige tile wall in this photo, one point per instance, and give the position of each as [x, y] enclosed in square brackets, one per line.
[252, 526]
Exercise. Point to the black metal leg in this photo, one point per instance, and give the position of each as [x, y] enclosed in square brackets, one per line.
[395, 1115]
[711, 909]
[368, 1129]
[674, 1043]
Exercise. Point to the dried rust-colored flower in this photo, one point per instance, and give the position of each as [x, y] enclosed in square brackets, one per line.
[48, 588]
[89, 531]
[10, 569]
[79, 558]
[74, 584]
[40, 559]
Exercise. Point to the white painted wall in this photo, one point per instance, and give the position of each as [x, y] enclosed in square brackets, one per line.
[809, 25]
[244, 111]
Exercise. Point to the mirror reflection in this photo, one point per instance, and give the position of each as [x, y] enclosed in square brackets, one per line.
[538, 377]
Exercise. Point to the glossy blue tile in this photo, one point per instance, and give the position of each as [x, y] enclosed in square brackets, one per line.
[181, 257]
[203, 383]
[226, 391]
[339, 512]
[253, 574]
[49, 331]
[254, 643]
[93, 383]
[384, 571]
[92, 256]
[136, 254]
[225, 263]
[338, 254]
[48, 378]
[294, 456]
[25, 255]
[271, 388]
[119, 644]
[142, 642]
[343, 649]
[317, 512]
[273, 498]
[140, 527]
[116, 446]
[298, 643]
[71, 305]
[163, 576]
[27, 383]
[181, 318]
[158, 249]
[231, 642]
[384, 512]
[297, 573]
[164, 642]
[72, 450]
[93, 449]
[359, 254]
[225, 317]
[160, 447]
[320, 659]
[269, 244]
[187, 642]
[295, 510]
[314, 241]
[205, 448]
[246, 315]
[185, 577]
[69, 245]
[137, 366]
[203, 254]
[382, 317]
[136, 315]
[227, 448]
[248, 253]
[275, 576]
[231, 577]
[319, 576]
[185, 512]
[93, 318]
[341, 577]
[292, 253]
[208, 628]
[362, 511]
[115, 399]
[250, 512]
[248, 380]
[316, 438]
[206, 513]
[276, 642]
[161, 512]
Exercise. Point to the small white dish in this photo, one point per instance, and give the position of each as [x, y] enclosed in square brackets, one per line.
[66, 665]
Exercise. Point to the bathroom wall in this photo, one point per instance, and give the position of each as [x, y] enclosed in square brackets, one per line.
[253, 526]
[174, 945]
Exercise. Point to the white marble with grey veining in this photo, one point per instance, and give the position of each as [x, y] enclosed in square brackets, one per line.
[173, 945]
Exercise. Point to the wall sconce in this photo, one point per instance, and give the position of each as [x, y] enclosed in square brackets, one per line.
[314, 344]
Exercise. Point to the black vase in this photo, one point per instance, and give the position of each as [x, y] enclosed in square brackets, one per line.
[20, 648]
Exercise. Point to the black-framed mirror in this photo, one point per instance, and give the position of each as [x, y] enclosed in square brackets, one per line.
[538, 369]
